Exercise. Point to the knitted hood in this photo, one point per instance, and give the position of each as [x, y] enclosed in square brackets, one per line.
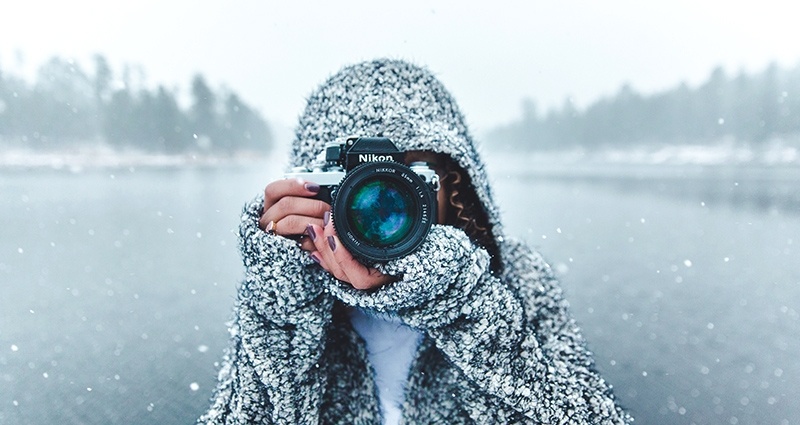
[394, 99]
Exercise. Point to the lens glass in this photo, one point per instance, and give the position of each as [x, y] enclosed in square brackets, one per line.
[381, 212]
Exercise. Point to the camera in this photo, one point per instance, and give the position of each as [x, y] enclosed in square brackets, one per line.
[381, 208]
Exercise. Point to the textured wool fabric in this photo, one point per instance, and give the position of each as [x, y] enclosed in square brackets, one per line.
[496, 348]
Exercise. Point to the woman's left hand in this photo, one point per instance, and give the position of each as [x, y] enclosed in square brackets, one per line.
[332, 256]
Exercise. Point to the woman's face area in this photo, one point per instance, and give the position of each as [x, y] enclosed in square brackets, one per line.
[434, 162]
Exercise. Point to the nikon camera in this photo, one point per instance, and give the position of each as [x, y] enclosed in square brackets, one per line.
[382, 209]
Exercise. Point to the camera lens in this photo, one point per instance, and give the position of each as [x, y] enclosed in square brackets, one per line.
[383, 210]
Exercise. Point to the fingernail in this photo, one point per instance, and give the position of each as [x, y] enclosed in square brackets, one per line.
[311, 233]
[312, 187]
[314, 257]
[326, 218]
[332, 243]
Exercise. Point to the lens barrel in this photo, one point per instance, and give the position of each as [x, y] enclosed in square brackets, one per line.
[383, 210]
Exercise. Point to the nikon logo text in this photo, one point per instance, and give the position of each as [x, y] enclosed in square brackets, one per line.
[371, 157]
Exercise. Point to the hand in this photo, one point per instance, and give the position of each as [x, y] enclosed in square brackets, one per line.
[333, 257]
[289, 208]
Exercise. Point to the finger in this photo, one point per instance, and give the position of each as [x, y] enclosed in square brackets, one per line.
[316, 257]
[340, 263]
[291, 225]
[309, 243]
[306, 244]
[325, 247]
[288, 187]
[345, 267]
[293, 205]
[358, 275]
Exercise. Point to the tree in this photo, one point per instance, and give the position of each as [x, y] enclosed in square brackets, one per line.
[244, 128]
[169, 122]
[203, 118]
[102, 80]
[62, 100]
[751, 109]
[711, 105]
[768, 111]
[118, 128]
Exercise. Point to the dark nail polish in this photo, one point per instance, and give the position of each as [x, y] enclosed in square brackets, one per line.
[314, 257]
[311, 233]
[326, 218]
[312, 187]
[332, 243]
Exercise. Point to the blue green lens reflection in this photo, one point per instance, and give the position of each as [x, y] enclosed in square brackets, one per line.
[381, 214]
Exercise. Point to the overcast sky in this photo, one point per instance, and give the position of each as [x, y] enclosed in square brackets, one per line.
[489, 54]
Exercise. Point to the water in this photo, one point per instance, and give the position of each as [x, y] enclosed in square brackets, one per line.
[688, 290]
[116, 285]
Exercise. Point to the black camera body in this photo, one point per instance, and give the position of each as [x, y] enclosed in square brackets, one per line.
[382, 209]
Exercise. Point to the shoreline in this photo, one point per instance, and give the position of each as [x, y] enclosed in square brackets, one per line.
[85, 159]
[723, 156]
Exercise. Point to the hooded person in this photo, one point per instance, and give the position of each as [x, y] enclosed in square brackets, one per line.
[471, 327]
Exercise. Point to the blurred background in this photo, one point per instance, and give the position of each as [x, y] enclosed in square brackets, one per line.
[651, 151]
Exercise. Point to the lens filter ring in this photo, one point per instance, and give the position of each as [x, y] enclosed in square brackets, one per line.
[383, 211]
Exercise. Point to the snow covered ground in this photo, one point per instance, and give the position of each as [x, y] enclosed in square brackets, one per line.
[776, 153]
[779, 153]
[101, 157]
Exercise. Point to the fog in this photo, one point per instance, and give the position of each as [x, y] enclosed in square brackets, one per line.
[491, 55]
[650, 151]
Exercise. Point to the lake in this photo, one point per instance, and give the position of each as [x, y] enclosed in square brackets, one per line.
[117, 283]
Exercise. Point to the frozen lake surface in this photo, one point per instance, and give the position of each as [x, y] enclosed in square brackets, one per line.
[117, 283]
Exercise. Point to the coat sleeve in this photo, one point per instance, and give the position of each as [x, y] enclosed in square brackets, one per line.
[271, 372]
[511, 337]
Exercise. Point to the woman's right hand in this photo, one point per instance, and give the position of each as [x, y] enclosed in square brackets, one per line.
[289, 208]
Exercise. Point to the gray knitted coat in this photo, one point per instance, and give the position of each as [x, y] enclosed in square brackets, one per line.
[496, 348]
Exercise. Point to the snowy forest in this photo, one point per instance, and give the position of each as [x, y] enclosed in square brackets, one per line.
[67, 106]
[744, 108]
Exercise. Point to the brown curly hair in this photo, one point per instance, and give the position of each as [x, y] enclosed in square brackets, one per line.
[466, 211]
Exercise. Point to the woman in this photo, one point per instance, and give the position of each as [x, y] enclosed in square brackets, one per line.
[469, 328]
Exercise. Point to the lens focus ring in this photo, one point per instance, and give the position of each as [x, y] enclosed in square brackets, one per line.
[383, 210]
